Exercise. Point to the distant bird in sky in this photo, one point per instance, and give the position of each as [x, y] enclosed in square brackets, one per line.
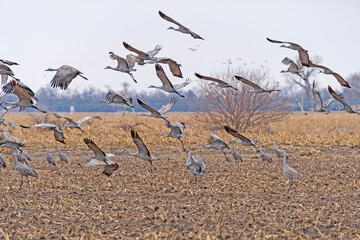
[177, 131]
[244, 140]
[143, 152]
[327, 71]
[196, 166]
[293, 67]
[319, 106]
[192, 49]
[216, 143]
[220, 83]
[123, 65]
[303, 54]
[166, 84]
[113, 97]
[64, 75]
[346, 107]
[22, 169]
[256, 88]
[180, 28]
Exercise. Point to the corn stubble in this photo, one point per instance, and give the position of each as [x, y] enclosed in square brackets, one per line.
[248, 200]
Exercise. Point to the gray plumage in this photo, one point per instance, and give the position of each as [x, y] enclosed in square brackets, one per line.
[22, 169]
[196, 166]
[49, 158]
[290, 173]
[62, 155]
[216, 143]
[264, 156]
[177, 131]
[64, 76]
[236, 155]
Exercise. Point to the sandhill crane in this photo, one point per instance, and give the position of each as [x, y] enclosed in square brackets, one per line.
[6, 140]
[236, 155]
[182, 85]
[196, 166]
[25, 100]
[216, 143]
[22, 169]
[327, 71]
[150, 55]
[5, 71]
[244, 140]
[49, 158]
[62, 156]
[58, 134]
[290, 173]
[2, 161]
[264, 156]
[23, 157]
[64, 75]
[319, 106]
[8, 89]
[123, 65]
[180, 28]
[256, 88]
[303, 54]
[109, 166]
[143, 152]
[113, 97]
[166, 84]
[177, 131]
[101, 156]
[7, 62]
[159, 113]
[219, 82]
[293, 67]
[280, 153]
[346, 107]
[77, 124]
[173, 65]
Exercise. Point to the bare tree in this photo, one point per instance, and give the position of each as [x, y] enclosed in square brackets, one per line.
[240, 109]
[354, 92]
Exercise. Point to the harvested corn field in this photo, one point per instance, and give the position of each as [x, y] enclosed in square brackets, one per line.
[244, 200]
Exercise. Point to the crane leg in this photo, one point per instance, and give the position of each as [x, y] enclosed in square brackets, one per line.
[226, 158]
[195, 179]
[182, 144]
[21, 182]
[291, 183]
[28, 182]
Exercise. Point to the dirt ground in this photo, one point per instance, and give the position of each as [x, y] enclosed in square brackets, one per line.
[246, 200]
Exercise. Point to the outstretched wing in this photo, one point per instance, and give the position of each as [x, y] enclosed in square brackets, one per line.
[167, 18]
[146, 107]
[234, 133]
[165, 109]
[92, 146]
[209, 78]
[139, 143]
[162, 76]
[87, 119]
[130, 48]
[334, 95]
[247, 82]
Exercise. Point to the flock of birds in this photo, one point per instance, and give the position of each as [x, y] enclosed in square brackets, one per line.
[195, 165]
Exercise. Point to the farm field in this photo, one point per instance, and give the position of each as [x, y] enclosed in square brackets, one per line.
[248, 200]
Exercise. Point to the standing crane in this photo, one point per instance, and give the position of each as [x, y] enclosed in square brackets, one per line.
[196, 166]
[23, 170]
[290, 173]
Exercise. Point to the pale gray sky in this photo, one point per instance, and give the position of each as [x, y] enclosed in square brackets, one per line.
[42, 33]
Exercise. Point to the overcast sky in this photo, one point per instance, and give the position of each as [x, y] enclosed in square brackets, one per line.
[41, 34]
